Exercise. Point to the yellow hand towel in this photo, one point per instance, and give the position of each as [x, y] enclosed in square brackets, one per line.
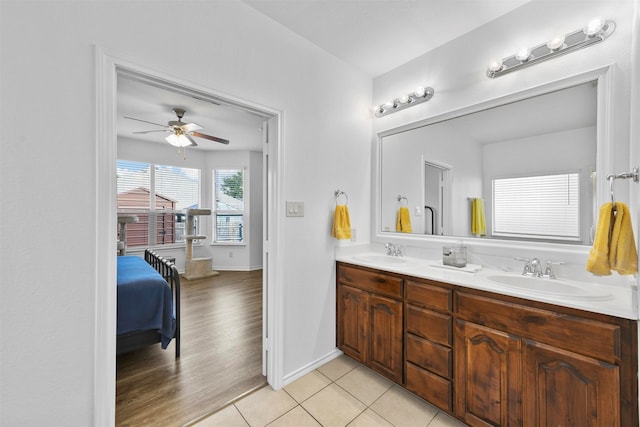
[341, 223]
[478, 221]
[598, 262]
[403, 222]
[623, 256]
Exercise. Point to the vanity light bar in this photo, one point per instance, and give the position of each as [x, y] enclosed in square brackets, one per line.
[595, 31]
[416, 97]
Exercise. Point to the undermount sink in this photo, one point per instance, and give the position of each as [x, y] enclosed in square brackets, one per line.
[380, 259]
[546, 286]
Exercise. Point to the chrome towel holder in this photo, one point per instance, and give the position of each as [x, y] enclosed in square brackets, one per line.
[401, 198]
[339, 193]
[634, 174]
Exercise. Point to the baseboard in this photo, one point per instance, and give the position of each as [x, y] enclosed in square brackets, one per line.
[237, 268]
[288, 379]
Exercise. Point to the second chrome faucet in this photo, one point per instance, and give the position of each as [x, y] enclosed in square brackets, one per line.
[393, 249]
[533, 268]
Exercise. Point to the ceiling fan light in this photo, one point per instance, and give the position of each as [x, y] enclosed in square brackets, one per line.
[178, 140]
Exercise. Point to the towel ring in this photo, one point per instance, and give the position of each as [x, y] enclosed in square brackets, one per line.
[339, 193]
[401, 198]
[634, 174]
[612, 178]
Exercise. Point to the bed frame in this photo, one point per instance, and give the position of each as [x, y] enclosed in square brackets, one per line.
[140, 339]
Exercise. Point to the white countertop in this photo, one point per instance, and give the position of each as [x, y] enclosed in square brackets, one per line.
[619, 300]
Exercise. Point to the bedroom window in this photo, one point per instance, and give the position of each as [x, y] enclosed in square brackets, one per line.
[542, 207]
[228, 194]
[157, 195]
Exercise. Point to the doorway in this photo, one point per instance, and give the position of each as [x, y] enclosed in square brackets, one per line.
[109, 67]
[435, 191]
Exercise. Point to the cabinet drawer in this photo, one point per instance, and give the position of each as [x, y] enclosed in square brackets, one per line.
[378, 283]
[581, 335]
[430, 387]
[433, 357]
[428, 296]
[428, 324]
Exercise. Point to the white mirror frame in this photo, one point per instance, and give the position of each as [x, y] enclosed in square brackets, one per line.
[603, 76]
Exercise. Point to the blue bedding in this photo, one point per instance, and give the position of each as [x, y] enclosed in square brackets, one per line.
[144, 299]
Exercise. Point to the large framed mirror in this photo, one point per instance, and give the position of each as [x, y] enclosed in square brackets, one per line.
[521, 168]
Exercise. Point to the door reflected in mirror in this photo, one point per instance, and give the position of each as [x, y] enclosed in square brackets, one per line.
[530, 166]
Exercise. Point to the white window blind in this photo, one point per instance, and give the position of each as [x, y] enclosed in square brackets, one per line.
[543, 207]
[156, 194]
[180, 184]
[229, 205]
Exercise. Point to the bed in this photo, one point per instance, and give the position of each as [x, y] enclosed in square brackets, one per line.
[148, 302]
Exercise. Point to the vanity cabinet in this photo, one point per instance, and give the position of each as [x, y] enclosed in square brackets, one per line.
[487, 376]
[542, 365]
[429, 341]
[490, 359]
[369, 319]
[565, 388]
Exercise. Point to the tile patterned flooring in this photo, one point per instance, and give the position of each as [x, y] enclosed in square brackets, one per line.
[340, 393]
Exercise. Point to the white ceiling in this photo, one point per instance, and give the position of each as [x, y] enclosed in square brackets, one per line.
[151, 103]
[374, 36]
[377, 36]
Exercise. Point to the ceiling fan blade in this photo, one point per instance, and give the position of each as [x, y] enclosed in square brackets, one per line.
[209, 137]
[145, 121]
[193, 143]
[190, 127]
[150, 131]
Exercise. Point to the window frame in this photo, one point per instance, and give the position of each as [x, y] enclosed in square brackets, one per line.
[549, 237]
[228, 212]
[153, 213]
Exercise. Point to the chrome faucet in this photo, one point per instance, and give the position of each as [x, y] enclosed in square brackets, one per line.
[536, 268]
[393, 250]
[533, 268]
[548, 271]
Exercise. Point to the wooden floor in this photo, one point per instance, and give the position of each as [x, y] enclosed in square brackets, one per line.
[221, 355]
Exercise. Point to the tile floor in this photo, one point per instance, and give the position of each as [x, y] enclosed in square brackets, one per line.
[339, 393]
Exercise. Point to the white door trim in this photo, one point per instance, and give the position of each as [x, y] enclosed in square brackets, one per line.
[108, 64]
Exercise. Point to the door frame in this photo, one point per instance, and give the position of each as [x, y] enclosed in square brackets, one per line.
[107, 66]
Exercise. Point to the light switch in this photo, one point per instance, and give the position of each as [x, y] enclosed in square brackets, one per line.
[295, 208]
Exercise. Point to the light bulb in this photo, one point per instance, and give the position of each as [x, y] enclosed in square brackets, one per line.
[389, 104]
[523, 54]
[404, 99]
[420, 92]
[556, 42]
[178, 140]
[495, 65]
[594, 26]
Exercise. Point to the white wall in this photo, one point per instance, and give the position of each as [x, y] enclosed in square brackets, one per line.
[47, 179]
[457, 70]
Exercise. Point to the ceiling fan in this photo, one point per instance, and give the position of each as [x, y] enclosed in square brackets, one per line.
[181, 133]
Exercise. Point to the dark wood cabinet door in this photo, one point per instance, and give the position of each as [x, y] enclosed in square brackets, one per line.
[487, 373]
[351, 313]
[385, 344]
[562, 388]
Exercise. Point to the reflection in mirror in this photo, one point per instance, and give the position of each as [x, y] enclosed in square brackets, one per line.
[524, 171]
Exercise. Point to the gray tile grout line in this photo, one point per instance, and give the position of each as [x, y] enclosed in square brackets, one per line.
[332, 382]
